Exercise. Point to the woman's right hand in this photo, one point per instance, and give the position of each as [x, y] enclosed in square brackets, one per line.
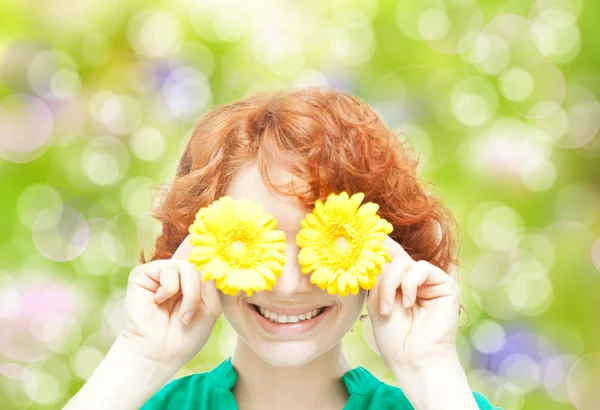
[169, 312]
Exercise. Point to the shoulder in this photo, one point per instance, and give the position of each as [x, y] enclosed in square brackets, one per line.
[386, 396]
[181, 393]
[371, 393]
[200, 390]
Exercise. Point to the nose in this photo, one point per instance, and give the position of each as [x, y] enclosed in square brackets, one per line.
[292, 281]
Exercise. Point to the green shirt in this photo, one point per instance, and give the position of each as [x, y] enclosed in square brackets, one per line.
[212, 390]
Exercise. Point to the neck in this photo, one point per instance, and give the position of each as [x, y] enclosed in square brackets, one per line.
[317, 384]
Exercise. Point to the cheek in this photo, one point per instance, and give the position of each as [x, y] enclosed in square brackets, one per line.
[352, 307]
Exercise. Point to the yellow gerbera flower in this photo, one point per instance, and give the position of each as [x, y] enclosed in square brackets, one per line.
[342, 244]
[237, 246]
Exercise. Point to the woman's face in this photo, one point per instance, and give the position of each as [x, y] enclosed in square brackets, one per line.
[298, 340]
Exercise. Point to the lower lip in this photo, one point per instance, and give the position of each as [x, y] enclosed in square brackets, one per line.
[289, 328]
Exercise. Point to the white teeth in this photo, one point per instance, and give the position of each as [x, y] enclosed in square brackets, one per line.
[290, 318]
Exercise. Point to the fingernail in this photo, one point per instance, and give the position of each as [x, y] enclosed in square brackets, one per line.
[384, 308]
[405, 301]
[187, 318]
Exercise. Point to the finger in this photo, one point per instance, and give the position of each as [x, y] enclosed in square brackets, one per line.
[390, 282]
[169, 283]
[423, 273]
[210, 298]
[190, 288]
[184, 249]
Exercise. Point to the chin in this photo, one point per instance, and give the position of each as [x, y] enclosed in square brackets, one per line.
[291, 354]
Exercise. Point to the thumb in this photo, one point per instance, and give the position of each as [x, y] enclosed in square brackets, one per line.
[210, 297]
[208, 289]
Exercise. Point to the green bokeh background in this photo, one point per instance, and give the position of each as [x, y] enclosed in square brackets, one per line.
[500, 99]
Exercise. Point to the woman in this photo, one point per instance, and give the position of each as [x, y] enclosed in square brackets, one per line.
[286, 150]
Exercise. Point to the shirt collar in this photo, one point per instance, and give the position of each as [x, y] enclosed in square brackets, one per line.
[357, 381]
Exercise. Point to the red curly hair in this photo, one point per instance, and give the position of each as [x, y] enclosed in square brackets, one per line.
[341, 145]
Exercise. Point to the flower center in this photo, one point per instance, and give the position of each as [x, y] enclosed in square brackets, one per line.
[238, 246]
[340, 247]
[342, 243]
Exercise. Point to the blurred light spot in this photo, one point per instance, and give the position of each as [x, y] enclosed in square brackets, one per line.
[168, 170]
[147, 143]
[69, 117]
[539, 178]
[494, 225]
[538, 246]
[230, 24]
[596, 254]
[187, 92]
[93, 260]
[516, 83]
[488, 336]
[582, 382]
[583, 111]
[510, 284]
[60, 233]
[509, 147]
[443, 26]
[554, 376]
[227, 340]
[17, 385]
[351, 37]
[119, 113]
[555, 125]
[10, 303]
[572, 242]
[530, 289]
[491, 270]
[120, 240]
[154, 33]
[105, 161]
[45, 317]
[310, 78]
[26, 123]
[65, 84]
[507, 38]
[521, 370]
[52, 75]
[555, 29]
[548, 91]
[85, 361]
[578, 202]
[474, 101]
[275, 46]
[433, 24]
[148, 229]
[136, 194]
[49, 389]
[407, 17]
[489, 53]
[58, 368]
[508, 396]
[33, 199]
[194, 54]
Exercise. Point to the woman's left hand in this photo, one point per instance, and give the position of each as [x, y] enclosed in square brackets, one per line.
[414, 309]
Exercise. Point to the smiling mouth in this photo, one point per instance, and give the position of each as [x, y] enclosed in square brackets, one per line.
[275, 318]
